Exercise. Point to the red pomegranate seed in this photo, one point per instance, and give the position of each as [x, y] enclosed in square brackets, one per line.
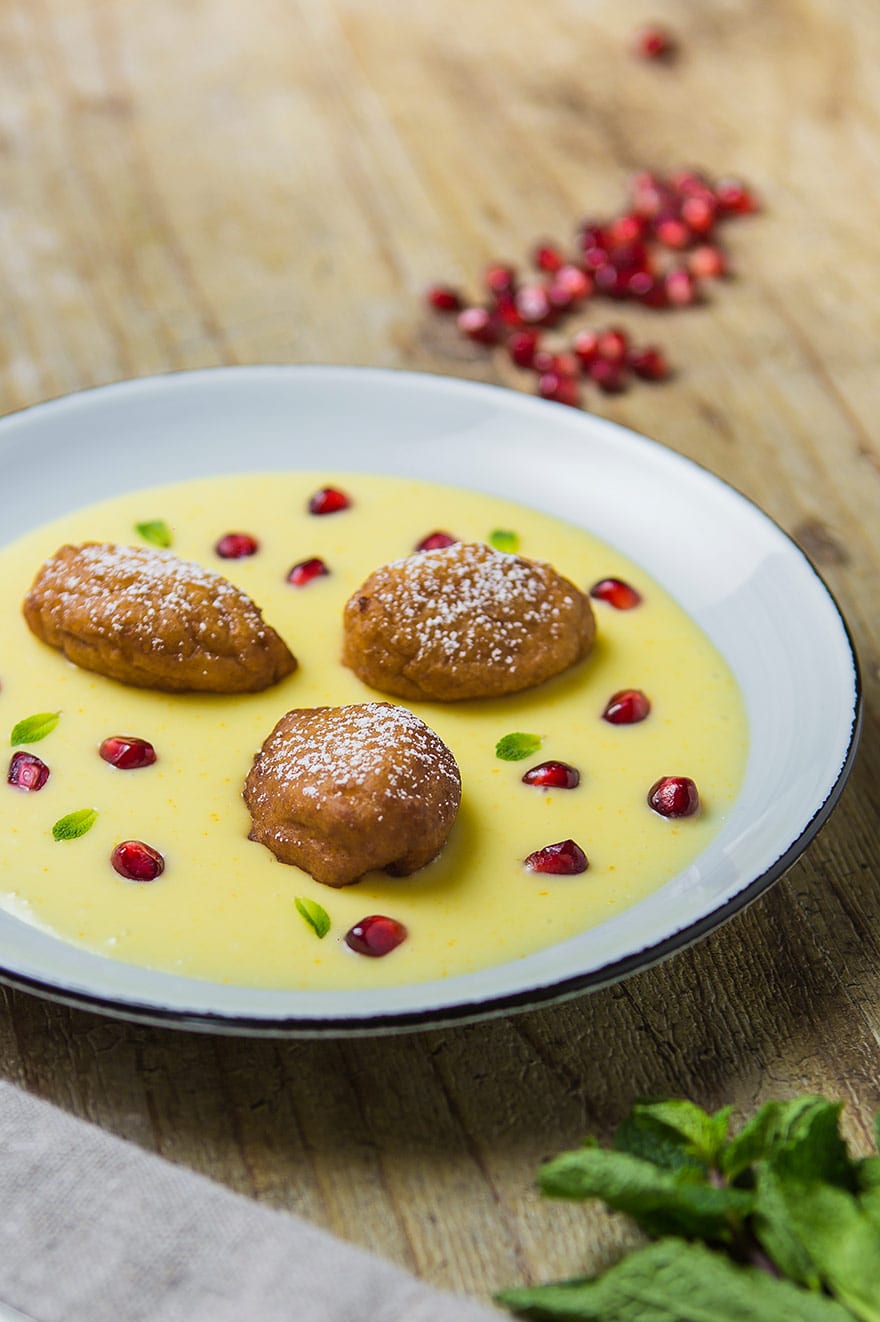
[435, 541]
[627, 707]
[533, 305]
[650, 364]
[375, 935]
[560, 389]
[707, 261]
[305, 570]
[645, 287]
[236, 545]
[648, 194]
[505, 312]
[522, 347]
[127, 752]
[596, 257]
[478, 324]
[500, 279]
[673, 233]
[565, 859]
[586, 346]
[734, 196]
[681, 287]
[625, 230]
[690, 183]
[575, 280]
[612, 344]
[698, 213]
[611, 281]
[654, 43]
[329, 500]
[609, 377]
[443, 298]
[553, 775]
[136, 861]
[563, 364]
[674, 796]
[27, 772]
[616, 593]
[590, 234]
[547, 257]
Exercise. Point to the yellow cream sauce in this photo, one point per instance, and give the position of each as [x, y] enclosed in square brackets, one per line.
[224, 907]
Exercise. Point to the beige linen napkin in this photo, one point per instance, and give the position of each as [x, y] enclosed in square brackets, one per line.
[92, 1229]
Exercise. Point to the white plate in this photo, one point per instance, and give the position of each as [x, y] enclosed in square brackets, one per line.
[749, 587]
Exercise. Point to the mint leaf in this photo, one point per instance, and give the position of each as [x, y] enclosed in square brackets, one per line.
[673, 1133]
[662, 1202]
[514, 747]
[34, 728]
[316, 916]
[155, 531]
[504, 540]
[801, 1135]
[74, 824]
[672, 1281]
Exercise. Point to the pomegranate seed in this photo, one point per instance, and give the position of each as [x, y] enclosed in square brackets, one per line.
[674, 796]
[590, 234]
[647, 289]
[672, 233]
[565, 858]
[647, 194]
[654, 43]
[533, 305]
[733, 196]
[137, 861]
[547, 257]
[609, 377]
[563, 364]
[523, 346]
[127, 752]
[27, 772]
[506, 313]
[627, 707]
[375, 935]
[305, 570]
[560, 297]
[650, 364]
[596, 257]
[586, 346]
[690, 183]
[236, 545]
[707, 261]
[560, 389]
[626, 229]
[553, 775]
[329, 500]
[611, 281]
[443, 298]
[478, 325]
[435, 541]
[500, 279]
[681, 287]
[575, 280]
[616, 593]
[612, 345]
[698, 213]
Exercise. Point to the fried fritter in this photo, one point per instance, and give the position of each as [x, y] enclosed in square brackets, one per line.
[464, 621]
[340, 791]
[148, 619]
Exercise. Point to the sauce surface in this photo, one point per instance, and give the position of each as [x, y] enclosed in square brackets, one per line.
[224, 909]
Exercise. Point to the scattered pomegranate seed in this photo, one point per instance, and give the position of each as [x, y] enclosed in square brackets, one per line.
[479, 325]
[435, 541]
[596, 257]
[733, 196]
[522, 347]
[506, 314]
[627, 707]
[443, 298]
[645, 287]
[649, 363]
[375, 935]
[576, 281]
[609, 376]
[590, 234]
[127, 752]
[27, 772]
[698, 213]
[616, 593]
[648, 194]
[305, 570]
[681, 287]
[673, 233]
[236, 545]
[625, 230]
[533, 305]
[612, 345]
[329, 500]
[674, 796]
[586, 346]
[612, 281]
[565, 858]
[547, 257]
[553, 775]
[136, 861]
[560, 389]
[707, 261]
[654, 42]
[500, 280]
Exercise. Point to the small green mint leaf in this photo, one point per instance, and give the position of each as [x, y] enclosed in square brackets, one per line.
[155, 531]
[672, 1281]
[514, 747]
[504, 540]
[673, 1134]
[316, 916]
[74, 824]
[34, 728]
[801, 1135]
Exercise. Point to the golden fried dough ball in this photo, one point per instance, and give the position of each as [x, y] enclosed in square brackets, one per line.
[464, 621]
[146, 618]
[339, 791]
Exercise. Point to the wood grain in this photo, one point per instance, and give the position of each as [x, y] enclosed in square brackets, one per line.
[188, 185]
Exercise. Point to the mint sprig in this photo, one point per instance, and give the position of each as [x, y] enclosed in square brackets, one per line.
[504, 539]
[514, 747]
[74, 824]
[315, 915]
[781, 1198]
[33, 728]
[155, 531]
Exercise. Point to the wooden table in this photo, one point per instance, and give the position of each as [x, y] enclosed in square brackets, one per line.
[184, 185]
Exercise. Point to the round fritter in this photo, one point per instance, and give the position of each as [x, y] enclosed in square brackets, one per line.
[464, 621]
[148, 619]
[340, 791]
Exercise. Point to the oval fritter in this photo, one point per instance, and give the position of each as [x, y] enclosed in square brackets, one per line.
[146, 618]
[340, 791]
[464, 621]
